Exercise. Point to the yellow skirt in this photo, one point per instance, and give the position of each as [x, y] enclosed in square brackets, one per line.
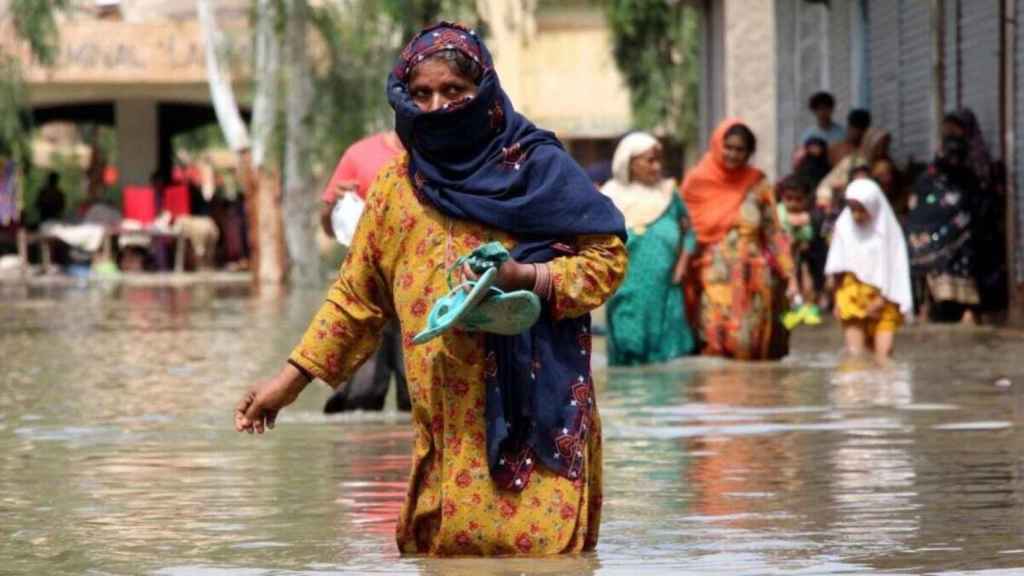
[854, 299]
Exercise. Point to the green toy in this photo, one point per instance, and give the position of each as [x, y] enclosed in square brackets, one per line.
[801, 313]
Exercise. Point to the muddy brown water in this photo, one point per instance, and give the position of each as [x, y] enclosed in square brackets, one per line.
[117, 454]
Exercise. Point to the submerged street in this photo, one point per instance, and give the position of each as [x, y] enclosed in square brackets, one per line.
[118, 454]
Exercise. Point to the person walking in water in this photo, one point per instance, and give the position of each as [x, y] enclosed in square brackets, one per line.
[868, 257]
[743, 268]
[507, 456]
[647, 316]
[355, 173]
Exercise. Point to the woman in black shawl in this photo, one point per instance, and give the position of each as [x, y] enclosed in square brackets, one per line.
[941, 233]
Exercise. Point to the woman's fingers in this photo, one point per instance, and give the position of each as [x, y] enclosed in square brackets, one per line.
[242, 422]
[255, 414]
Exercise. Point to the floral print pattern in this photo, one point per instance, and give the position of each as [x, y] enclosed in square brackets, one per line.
[397, 267]
[742, 282]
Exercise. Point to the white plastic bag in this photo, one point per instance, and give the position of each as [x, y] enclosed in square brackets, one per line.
[345, 218]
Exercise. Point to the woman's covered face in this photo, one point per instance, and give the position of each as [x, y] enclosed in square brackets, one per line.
[860, 214]
[646, 168]
[735, 152]
[951, 128]
[434, 85]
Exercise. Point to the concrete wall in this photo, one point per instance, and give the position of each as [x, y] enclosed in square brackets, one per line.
[751, 87]
[571, 82]
[557, 67]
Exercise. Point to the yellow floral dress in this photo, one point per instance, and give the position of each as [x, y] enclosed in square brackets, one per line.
[397, 268]
[854, 300]
[742, 282]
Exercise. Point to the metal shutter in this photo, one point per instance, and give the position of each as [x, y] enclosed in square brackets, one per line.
[1019, 143]
[915, 58]
[951, 54]
[813, 53]
[900, 64]
[884, 65]
[839, 50]
[980, 38]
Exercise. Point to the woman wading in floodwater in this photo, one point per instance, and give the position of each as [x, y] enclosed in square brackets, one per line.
[507, 454]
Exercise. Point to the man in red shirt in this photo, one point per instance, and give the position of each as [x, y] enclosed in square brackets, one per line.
[354, 174]
[356, 171]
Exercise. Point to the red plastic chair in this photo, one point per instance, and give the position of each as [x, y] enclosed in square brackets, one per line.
[176, 200]
[139, 203]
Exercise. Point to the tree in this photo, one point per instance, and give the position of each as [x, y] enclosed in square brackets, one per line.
[35, 25]
[359, 42]
[268, 260]
[299, 200]
[656, 46]
[412, 15]
[338, 73]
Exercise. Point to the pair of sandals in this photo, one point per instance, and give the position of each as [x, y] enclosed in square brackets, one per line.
[479, 305]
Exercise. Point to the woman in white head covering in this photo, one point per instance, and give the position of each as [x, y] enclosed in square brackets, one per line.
[647, 317]
[869, 258]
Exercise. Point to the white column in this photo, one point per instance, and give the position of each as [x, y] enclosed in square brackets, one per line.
[751, 89]
[137, 140]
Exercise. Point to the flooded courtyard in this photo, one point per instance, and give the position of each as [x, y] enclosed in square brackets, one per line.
[118, 453]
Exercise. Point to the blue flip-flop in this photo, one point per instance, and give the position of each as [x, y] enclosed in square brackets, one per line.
[451, 307]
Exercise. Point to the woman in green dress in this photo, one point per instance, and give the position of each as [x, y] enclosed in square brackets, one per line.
[647, 317]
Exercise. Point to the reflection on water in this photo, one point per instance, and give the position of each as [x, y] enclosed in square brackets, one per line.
[117, 454]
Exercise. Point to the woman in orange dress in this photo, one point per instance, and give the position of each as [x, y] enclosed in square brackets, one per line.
[744, 268]
[507, 452]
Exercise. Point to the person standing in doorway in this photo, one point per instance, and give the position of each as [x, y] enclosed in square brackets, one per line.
[354, 174]
[822, 105]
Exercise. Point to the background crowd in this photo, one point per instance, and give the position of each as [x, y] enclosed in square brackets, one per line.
[719, 261]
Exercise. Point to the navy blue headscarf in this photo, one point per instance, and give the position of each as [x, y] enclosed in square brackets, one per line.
[480, 160]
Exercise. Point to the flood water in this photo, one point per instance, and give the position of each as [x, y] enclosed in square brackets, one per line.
[118, 456]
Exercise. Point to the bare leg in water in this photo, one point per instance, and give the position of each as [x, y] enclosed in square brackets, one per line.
[883, 346]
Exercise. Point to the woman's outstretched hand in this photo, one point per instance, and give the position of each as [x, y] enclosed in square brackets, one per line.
[258, 408]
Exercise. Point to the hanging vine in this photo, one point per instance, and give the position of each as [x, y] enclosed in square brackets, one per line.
[657, 47]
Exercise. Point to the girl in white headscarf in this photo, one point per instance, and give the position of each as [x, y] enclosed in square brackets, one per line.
[868, 256]
[647, 316]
